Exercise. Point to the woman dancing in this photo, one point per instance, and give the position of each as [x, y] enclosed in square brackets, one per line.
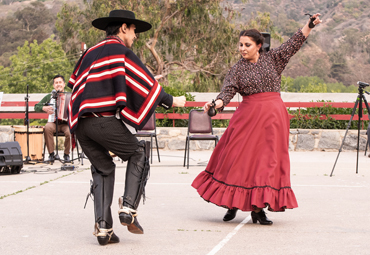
[250, 168]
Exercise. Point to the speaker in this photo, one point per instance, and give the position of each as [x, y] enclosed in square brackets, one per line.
[11, 160]
[266, 44]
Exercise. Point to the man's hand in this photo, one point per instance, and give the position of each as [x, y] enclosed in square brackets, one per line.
[48, 109]
[179, 101]
[158, 77]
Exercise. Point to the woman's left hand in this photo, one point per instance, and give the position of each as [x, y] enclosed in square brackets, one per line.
[219, 103]
[306, 29]
[317, 19]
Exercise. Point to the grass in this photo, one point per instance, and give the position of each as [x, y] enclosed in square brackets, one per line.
[15, 193]
[42, 183]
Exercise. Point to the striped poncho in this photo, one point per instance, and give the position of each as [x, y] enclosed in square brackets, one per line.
[110, 76]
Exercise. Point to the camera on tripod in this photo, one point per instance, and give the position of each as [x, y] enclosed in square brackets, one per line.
[362, 84]
[360, 98]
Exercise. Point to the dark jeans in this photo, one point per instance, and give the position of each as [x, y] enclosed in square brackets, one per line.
[97, 136]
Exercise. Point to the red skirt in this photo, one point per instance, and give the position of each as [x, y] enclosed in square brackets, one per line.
[250, 165]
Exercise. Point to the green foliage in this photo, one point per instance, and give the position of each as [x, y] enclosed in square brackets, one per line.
[35, 64]
[194, 36]
[314, 85]
[340, 88]
[318, 118]
[287, 26]
[311, 88]
[220, 123]
[263, 22]
[33, 122]
[182, 123]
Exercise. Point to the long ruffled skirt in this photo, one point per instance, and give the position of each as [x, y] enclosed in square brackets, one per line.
[250, 165]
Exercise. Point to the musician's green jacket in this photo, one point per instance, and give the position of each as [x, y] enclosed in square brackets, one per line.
[39, 105]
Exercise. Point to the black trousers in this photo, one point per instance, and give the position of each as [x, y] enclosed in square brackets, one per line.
[97, 136]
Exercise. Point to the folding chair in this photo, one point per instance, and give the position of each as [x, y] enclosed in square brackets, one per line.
[200, 124]
[150, 130]
[79, 155]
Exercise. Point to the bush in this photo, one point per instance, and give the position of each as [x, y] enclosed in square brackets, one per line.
[182, 123]
[310, 118]
[169, 122]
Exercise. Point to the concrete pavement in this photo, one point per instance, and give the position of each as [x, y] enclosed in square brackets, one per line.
[41, 211]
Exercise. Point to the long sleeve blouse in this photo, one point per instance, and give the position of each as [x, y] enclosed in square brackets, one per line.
[263, 76]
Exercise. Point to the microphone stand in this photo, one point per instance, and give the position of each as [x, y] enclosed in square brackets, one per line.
[26, 122]
[56, 127]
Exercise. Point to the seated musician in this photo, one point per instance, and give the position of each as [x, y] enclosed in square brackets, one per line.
[50, 127]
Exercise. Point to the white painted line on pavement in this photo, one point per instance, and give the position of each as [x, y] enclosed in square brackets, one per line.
[229, 236]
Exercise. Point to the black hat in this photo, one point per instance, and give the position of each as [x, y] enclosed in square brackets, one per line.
[123, 16]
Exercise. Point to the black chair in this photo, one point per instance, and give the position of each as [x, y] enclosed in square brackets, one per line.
[79, 155]
[200, 124]
[150, 130]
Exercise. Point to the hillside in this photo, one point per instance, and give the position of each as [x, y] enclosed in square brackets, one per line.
[337, 50]
[6, 10]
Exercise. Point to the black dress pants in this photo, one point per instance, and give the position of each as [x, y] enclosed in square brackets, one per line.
[98, 136]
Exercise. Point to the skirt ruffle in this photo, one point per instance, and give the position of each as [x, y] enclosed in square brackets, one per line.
[245, 199]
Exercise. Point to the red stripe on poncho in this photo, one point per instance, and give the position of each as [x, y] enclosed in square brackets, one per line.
[110, 76]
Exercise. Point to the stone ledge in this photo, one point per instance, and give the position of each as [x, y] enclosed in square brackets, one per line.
[170, 138]
[299, 139]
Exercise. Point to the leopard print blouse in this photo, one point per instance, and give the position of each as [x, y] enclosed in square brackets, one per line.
[263, 76]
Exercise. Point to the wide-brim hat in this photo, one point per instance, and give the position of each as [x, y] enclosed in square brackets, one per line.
[123, 16]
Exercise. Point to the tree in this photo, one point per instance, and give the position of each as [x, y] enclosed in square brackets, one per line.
[314, 88]
[301, 83]
[287, 84]
[35, 64]
[339, 67]
[189, 37]
[262, 22]
[34, 22]
[33, 16]
[10, 35]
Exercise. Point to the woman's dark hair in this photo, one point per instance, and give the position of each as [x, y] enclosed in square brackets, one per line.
[113, 28]
[256, 36]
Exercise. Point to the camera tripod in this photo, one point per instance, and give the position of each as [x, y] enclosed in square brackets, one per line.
[360, 98]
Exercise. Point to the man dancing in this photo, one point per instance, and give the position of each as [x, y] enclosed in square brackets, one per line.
[114, 94]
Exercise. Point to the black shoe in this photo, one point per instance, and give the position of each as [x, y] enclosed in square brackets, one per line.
[128, 217]
[230, 214]
[51, 158]
[66, 158]
[105, 235]
[261, 217]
